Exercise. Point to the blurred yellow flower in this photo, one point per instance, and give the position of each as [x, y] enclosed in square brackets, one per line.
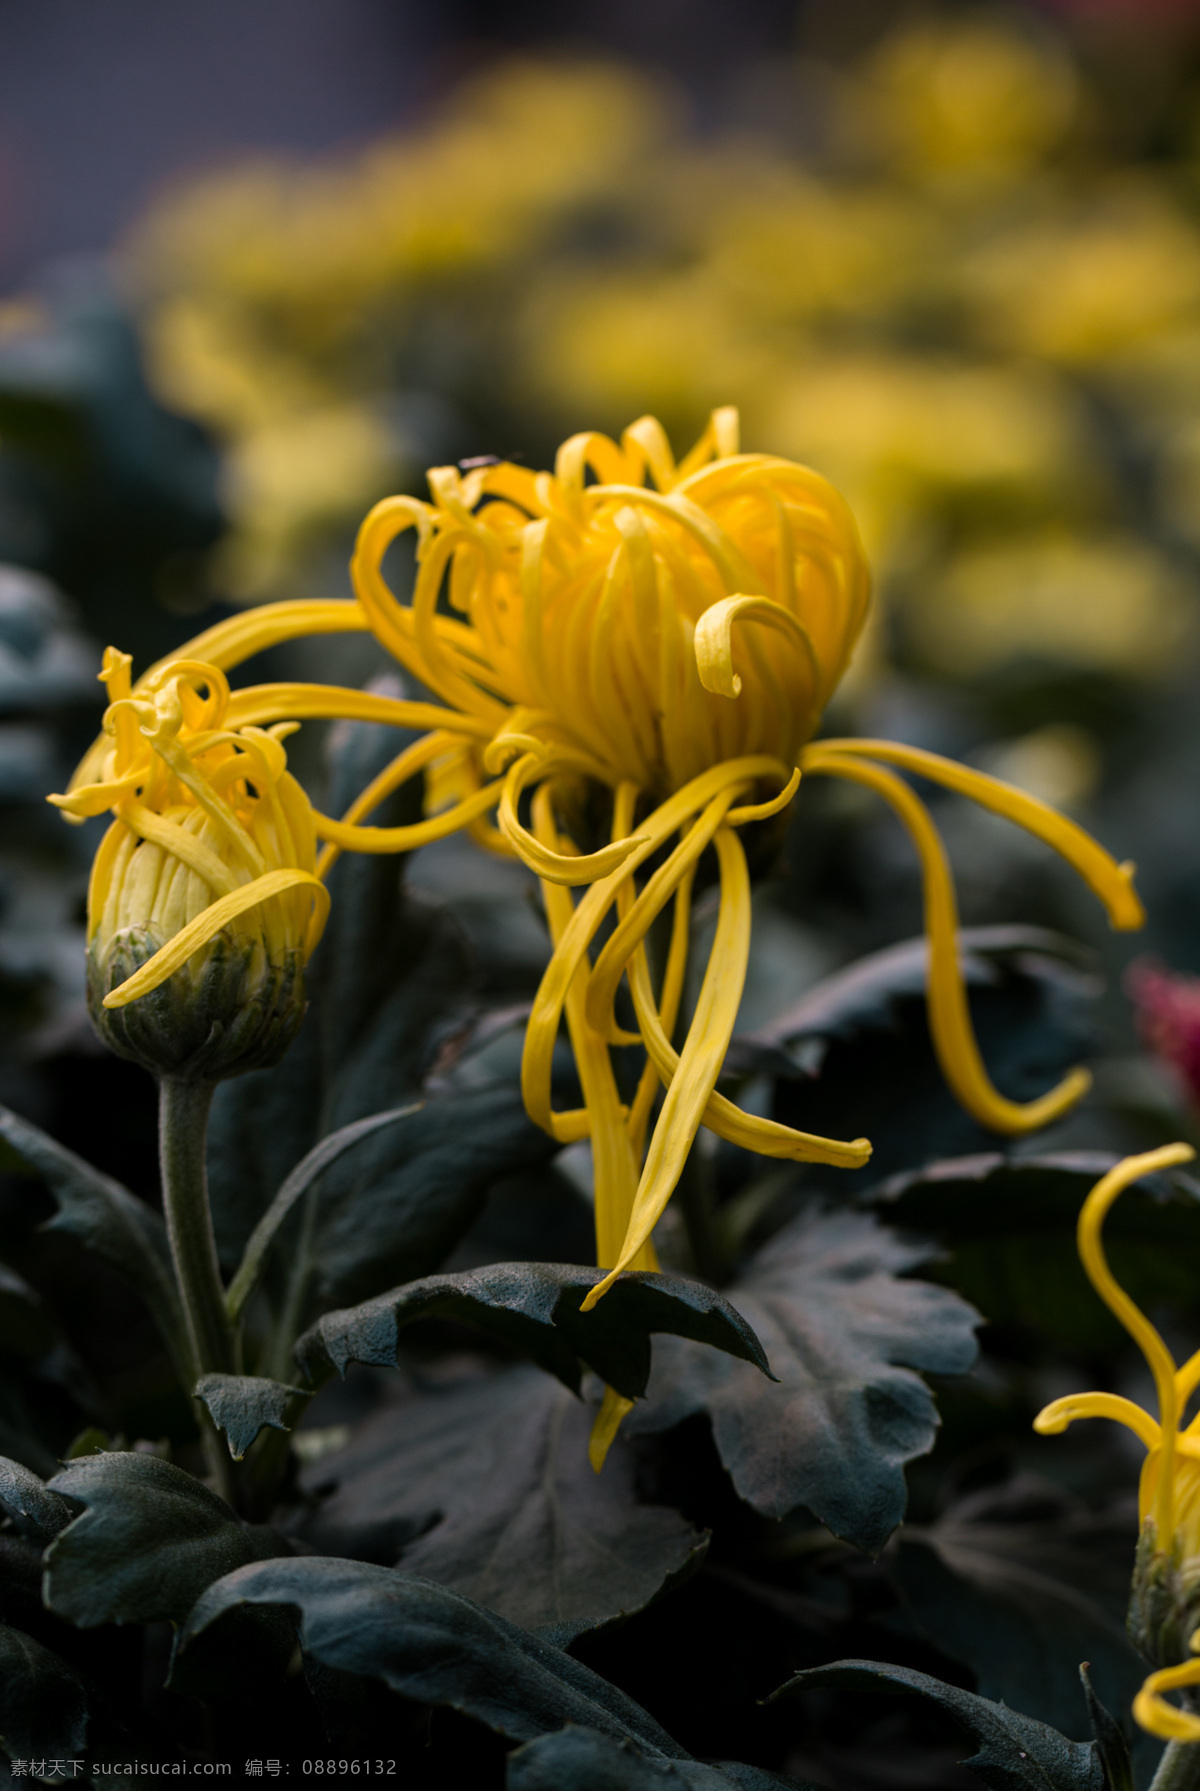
[1113, 604]
[898, 433]
[1096, 281]
[970, 99]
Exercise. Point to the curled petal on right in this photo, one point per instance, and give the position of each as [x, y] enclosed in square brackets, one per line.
[1152, 1711]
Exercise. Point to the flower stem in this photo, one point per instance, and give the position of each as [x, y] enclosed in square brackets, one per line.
[182, 1138]
[1179, 1768]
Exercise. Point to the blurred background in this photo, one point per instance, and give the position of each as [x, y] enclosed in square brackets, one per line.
[261, 265]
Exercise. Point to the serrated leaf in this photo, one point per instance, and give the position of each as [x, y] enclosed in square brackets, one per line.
[107, 1219]
[243, 1404]
[149, 1541]
[1016, 1753]
[43, 1701]
[498, 1466]
[577, 1759]
[848, 1336]
[431, 1645]
[862, 1058]
[1021, 1583]
[37, 1513]
[537, 1306]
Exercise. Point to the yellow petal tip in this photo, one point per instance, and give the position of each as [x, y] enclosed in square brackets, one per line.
[609, 1418]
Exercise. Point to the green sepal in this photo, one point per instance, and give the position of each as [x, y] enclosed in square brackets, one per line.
[241, 1405]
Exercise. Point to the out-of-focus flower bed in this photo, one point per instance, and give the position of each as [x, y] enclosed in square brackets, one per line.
[962, 304]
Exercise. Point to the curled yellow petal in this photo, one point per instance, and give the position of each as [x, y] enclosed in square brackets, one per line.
[352, 837]
[949, 1013]
[172, 956]
[1110, 881]
[404, 766]
[231, 642]
[1158, 1356]
[1152, 1712]
[1053, 1419]
[714, 639]
[555, 867]
[762, 811]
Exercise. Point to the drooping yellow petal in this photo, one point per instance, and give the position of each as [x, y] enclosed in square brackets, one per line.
[641, 914]
[700, 1060]
[330, 702]
[658, 827]
[176, 952]
[764, 1136]
[614, 1165]
[949, 1013]
[614, 1409]
[1111, 882]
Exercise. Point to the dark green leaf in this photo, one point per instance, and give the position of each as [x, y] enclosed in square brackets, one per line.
[499, 1466]
[1021, 1584]
[1111, 1742]
[575, 1759]
[395, 1205]
[862, 1058]
[1016, 1753]
[388, 988]
[149, 1542]
[844, 1332]
[43, 1701]
[537, 1306]
[106, 1218]
[1012, 1222]
[24, 1328]
[243, 1404]
[307, 1171]
[431, 1645]
[37, 1513]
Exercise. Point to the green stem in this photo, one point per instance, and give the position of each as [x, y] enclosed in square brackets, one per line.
[1179, 1768]
[182, 1139]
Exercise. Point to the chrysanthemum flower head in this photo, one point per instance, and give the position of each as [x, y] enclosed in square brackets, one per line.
[663, 637]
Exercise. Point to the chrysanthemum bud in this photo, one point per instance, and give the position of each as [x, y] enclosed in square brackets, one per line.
[203, 906]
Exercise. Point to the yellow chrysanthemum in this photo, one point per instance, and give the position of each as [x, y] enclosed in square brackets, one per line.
[1166, 1588]
[667, 635]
